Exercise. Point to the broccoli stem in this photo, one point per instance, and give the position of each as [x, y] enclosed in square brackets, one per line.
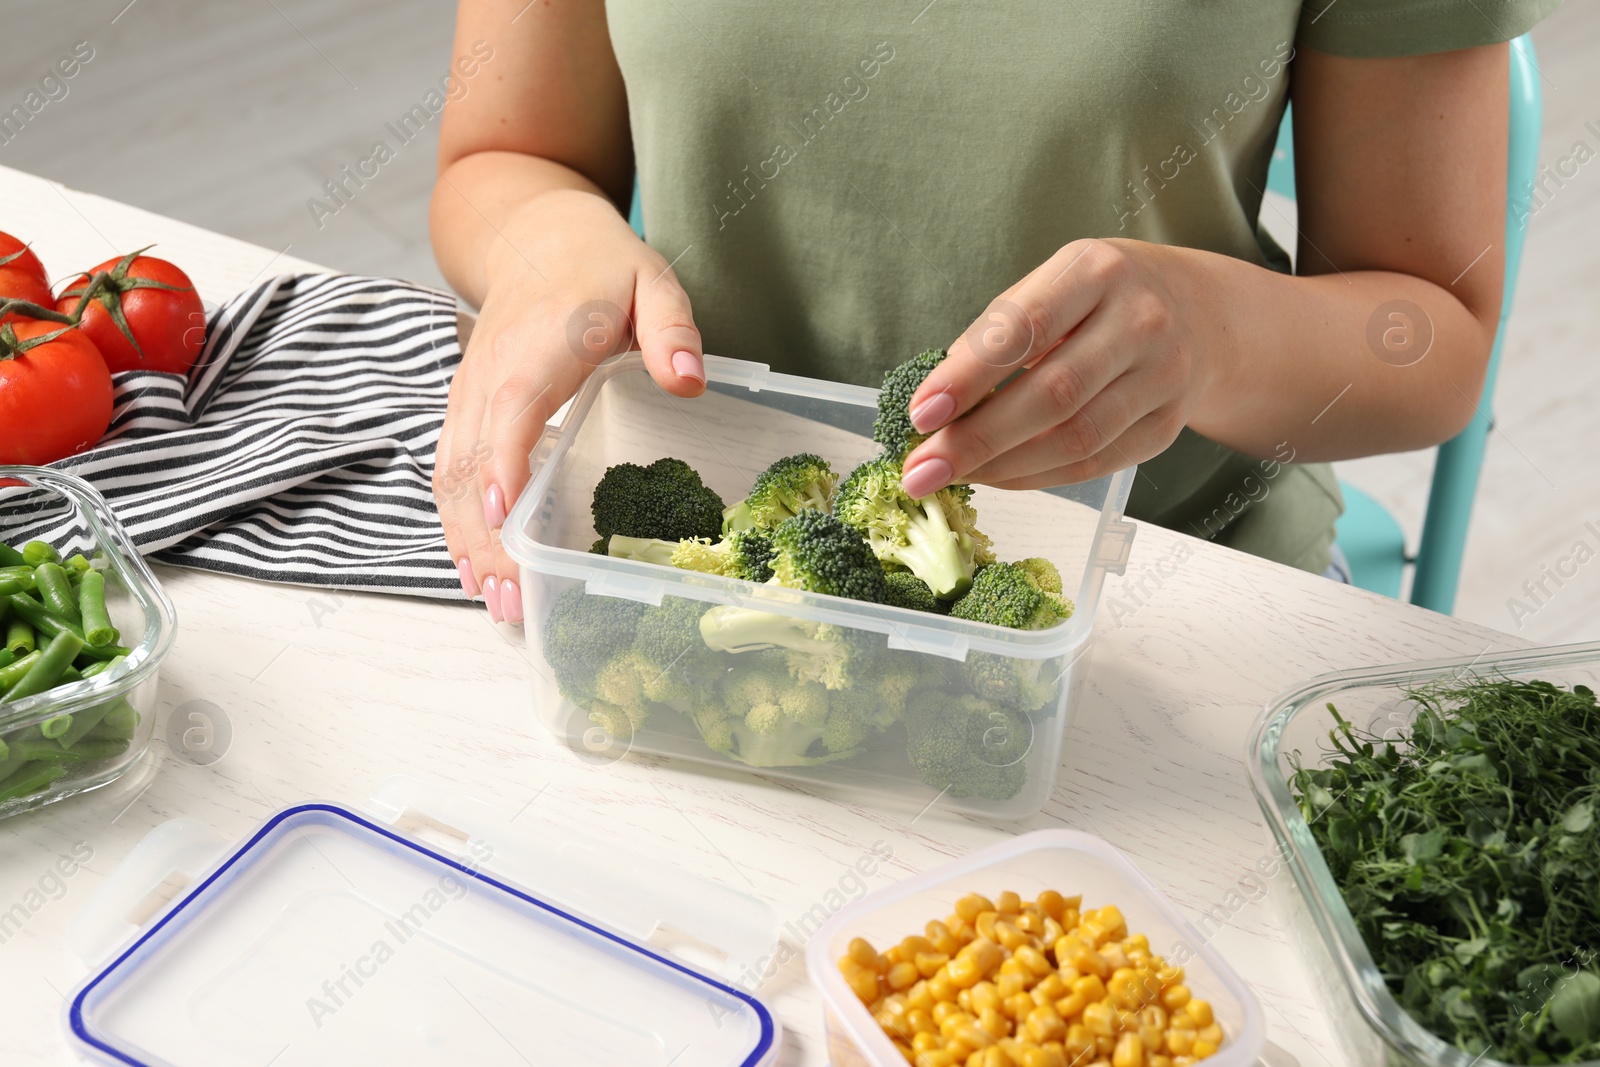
[645, 549]
[934, 552]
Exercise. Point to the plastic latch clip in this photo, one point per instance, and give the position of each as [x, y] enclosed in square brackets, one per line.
[1116, 545]
[626, 587]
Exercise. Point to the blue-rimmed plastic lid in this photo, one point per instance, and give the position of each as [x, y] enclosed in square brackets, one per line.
[330, 938]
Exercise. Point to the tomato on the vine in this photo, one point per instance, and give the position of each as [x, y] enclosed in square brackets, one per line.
[55, 392]
[22, 276]
[143, 314]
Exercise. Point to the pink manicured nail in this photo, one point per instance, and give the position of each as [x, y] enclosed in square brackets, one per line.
[933, 412]
[927, 477]
[688, 365]
[469, 584]
[491, 597]
[494, 507]
[511, 601]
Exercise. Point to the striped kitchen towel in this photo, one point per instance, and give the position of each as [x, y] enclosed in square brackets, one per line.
[301, 447]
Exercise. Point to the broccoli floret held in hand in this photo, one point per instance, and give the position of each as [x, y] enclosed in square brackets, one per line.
[967, 746]
[803, 482]
[665, 500]
[935, 538]
[892, 429]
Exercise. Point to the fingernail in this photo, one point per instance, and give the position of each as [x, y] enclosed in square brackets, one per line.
[688, 365]
[494, 509]
[511, 601]
[491, 597]
[927, 477]
[933, 412]
[469, 584]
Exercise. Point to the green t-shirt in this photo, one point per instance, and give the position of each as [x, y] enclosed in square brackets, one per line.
[841, 185]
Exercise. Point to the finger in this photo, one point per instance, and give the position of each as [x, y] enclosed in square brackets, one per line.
[1094, 426]
[455, 481]
[1020, 325]
[537, 374]
[1057, 388]
[667, 335]
[1145, 439]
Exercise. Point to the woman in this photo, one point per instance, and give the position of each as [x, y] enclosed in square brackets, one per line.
[1071, 188]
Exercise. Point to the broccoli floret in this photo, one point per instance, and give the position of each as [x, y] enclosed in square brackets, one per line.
[678, 667]
[906, 590]
[620, 687]
[1018, 684]
[666, 500]
[793, 484]
[743, 554]
[815, 552]
[892, 429]
[968, 746]
[878, 699]
[582, 636]
[1024, 596]
[764, 718]
[935, 538]
[601, 546]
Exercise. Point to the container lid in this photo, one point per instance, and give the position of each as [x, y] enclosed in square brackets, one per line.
[331, 937]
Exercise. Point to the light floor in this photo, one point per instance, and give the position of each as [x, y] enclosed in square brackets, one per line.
[232, 115]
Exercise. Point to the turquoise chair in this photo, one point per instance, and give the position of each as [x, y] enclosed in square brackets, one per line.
[1368, 535]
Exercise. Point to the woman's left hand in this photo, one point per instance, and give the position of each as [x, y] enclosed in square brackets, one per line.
[1112, 360]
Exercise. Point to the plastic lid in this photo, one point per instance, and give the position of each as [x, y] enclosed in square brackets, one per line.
[330, 938]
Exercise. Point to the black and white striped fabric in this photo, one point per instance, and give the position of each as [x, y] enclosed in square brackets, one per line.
[301, 447]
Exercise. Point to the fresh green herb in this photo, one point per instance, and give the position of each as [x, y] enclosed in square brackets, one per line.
[1468, 851]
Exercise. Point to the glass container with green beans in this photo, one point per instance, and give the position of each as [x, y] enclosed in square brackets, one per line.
[85, 627]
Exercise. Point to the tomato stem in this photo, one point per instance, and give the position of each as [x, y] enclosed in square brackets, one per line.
[107, 286]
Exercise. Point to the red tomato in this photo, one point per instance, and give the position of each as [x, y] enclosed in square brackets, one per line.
[146, 316]
[22, 276]
[55, 396]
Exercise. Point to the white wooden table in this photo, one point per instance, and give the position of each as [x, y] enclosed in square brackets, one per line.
[328, 696]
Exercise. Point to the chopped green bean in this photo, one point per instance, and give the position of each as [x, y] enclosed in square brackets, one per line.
[34, 777]
[77, 565]
[55, 591]
[22, 574]
[11, 764]
[11, 583]
[19, 637]
[47, 670]
[38, 748]
[7, 657]
[119, 723]
[37, 552]
[84, 721]
[91, 652]
[100, 748]
[10, 676]
[38, 616]
[99, 666]
[97, 628]
[10, 557]
[56, 726]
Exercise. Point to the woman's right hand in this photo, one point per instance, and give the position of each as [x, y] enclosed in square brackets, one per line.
[570, 284]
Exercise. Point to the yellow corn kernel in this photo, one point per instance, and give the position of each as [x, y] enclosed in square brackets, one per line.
[1032, 959]
[1202, 1049]
[1031, 921]
[928, 963]
[905, 1052]
[1138, 957]
[974, 1036]
[1051, 903]
[919, 997]
[1106, 1044]
[1070, 918]
[993, 1057]
[1071, 1006]
[1052, 932]
[937, 1058]
[1050, 988]
[1200, 1012]
[1152, 1036]
[940, 987]
[1045, 1025]
[1069, 973]
[1011, 937]
[862, 981]
[903, 976]
[1156, 1059]
[983, 995]
[1174, 997]
[926, 1041]
[940, 938]
[912, 944]
[864, 954]
[1129, 1052]
[893, 955]
[960, 1050]
[1017, 1006]
[1100, 1019]
[1169, 973]
[984, 924]
[1212, 1033]
[1008, 903]
[994, 1023]
[1136, 942]
[970, 905]
[1111, 918]
[1091, 987]
[1180, 1042]
[953, 1023]
[942, 1011]
[1154, 1015]
[1114, 956]
[1048, 1056]
[1079, 1041]
[1183, 1061]
[1010, 983]
[1086, 960]
[919, 1021]
[1181, 1020]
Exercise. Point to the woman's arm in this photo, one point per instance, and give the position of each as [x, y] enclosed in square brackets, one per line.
[534, 160]
[1401, 188]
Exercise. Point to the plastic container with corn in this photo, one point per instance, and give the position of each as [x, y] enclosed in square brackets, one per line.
[1040, 983]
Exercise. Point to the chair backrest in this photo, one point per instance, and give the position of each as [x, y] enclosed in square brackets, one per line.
[1460, 459]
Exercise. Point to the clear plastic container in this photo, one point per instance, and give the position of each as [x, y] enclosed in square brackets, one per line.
[748, 418]
[37, 503]
[1370, 1025]
[410, 935]
[1067, 861]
